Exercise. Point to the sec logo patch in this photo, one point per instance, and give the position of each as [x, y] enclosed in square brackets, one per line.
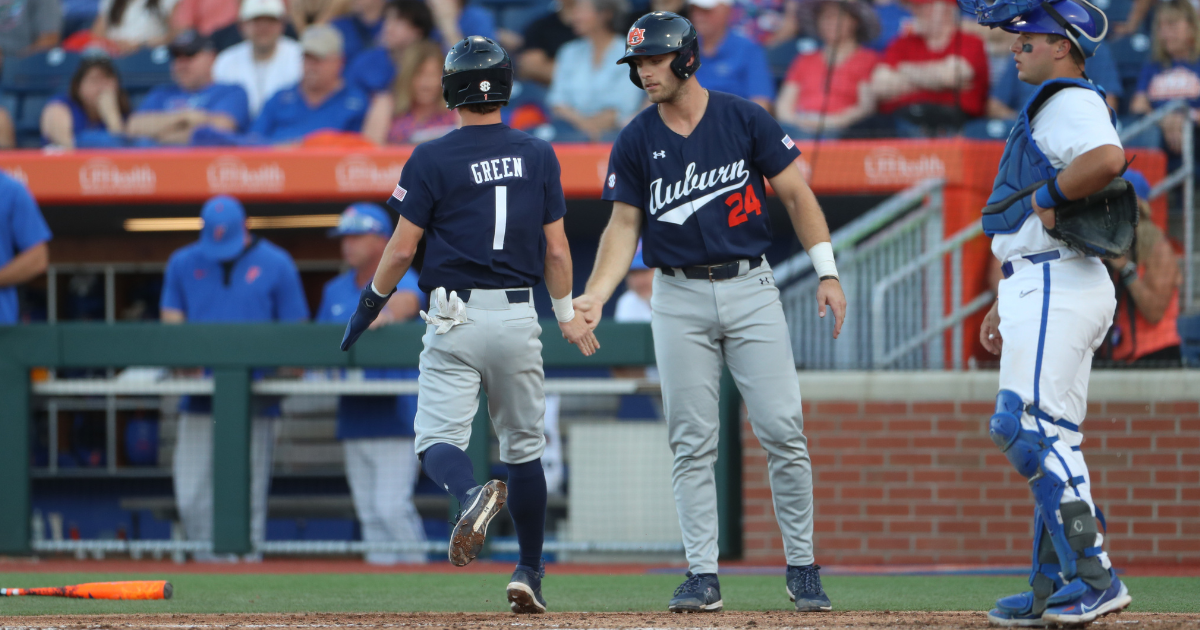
[612, 180]
[485, 86]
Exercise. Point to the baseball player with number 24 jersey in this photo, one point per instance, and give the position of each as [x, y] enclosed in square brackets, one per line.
[687, 175]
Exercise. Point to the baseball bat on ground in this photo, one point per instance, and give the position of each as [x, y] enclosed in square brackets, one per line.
[141, 589]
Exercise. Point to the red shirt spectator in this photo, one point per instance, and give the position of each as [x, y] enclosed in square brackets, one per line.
[808, 73]
[913, 49]
[204, 16]
[937, 65]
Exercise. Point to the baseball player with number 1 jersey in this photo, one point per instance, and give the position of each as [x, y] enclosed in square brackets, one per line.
[687, 174]
[488, 201]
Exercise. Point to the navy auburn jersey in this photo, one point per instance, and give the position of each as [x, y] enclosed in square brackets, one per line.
[702, 195]
[482, 194]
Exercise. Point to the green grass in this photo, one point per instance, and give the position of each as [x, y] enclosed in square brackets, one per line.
[472, 592]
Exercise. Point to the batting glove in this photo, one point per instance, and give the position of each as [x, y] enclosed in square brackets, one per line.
[370, 304]
[451, 311]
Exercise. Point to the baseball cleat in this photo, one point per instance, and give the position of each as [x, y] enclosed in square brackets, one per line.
[1016, 611]
[804, 588]
[1077, 603]
[483, 504]
[525, 591]
[698, 593]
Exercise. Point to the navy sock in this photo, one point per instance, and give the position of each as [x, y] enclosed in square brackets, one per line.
[527, 506]
[450, 468]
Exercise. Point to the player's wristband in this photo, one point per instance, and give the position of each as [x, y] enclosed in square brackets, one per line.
[1050, 195]
[564, 310]
[381, 294]
[821, 255]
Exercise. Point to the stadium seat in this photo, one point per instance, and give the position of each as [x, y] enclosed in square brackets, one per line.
[1116, 10]
[45, 72]
[1131, 54]
[144, 69]
[10, 103]
[1189, 336]
[29, 117]
[987, 129]
[780, 57]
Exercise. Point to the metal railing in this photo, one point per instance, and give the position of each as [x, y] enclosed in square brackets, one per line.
[110, 271]
[897, 230]
[921, 345]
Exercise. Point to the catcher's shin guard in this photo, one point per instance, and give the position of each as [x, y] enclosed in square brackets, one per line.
[1070, 527]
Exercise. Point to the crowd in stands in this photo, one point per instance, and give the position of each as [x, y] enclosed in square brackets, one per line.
[117, 73]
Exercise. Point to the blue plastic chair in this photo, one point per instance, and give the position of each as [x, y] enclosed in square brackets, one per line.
[987, 129]
[1189, 336]
[1131, 54]
[144, 69]
[45, 72]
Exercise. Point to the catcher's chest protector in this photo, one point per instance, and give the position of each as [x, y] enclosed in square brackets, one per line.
[1023, 163]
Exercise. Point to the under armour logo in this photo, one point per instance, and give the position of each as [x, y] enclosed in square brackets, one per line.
[368, 302]
[660, 154]
[1077, 526]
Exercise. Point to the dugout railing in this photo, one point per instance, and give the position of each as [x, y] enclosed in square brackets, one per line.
[232, 352]
[914, 290]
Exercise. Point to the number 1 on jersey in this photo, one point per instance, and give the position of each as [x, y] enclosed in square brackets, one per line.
[501, 216]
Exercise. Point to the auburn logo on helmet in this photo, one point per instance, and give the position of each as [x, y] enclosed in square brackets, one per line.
[636, 36]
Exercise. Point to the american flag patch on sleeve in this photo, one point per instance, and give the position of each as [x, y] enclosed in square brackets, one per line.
[787, 142]
[399, 193]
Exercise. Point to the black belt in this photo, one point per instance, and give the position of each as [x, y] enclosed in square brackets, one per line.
[516, 296]
[713, 272]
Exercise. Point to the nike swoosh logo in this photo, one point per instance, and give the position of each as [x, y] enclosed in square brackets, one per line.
[680, 213]
[1024, 293]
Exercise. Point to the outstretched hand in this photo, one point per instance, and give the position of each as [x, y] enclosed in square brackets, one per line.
[578, 332]
[588, 307]
[829, 293]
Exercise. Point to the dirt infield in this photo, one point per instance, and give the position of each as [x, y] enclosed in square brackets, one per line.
[581, 621]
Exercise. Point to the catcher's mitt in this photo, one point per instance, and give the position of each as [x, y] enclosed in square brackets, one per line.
[1101, 224]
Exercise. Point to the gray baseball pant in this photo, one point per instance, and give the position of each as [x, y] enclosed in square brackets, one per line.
[498, 348]
[698, 324]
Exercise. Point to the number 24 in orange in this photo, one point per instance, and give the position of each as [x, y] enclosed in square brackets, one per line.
[738, 213]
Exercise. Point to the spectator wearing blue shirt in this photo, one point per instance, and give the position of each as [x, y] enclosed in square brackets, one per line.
[377, 431]
[1173, 72]
[321, 101]
[1009, 94]
[227, 276]
[24, 252]
[92, 112]
[360, 29]
[729, 62]
[171, 113]
[455, 19]
[591, 95]
[405, 22]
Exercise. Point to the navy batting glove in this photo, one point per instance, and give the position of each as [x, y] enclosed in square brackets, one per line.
[369, 305]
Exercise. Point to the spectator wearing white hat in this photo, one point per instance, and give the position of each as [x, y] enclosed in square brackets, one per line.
[266, 61]
[729, 62]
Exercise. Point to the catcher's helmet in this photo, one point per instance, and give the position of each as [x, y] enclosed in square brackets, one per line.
[1078, 20]
[660, 33]
[477, 70]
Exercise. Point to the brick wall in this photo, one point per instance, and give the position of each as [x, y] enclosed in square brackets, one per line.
[918, 481]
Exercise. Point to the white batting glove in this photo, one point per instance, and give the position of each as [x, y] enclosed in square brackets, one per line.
[451, 311]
